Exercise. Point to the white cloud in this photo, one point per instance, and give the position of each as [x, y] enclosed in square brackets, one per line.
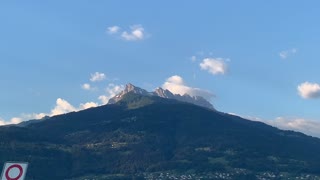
[111, 91]
[104, 99]
[2, 122]
[193, 58]
[33, 116]
[22, 117]
[14, 120]
[176, 80]
[309, 90]
[62, 106]
[113, 29]
[88, 105]
[214, 65]
[252, 118]
[308, 127]
[86, 86]
[136, 33]
[176, 85]
[286, 53]
[97, 77]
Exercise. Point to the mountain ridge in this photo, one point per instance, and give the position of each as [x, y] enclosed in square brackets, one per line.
[142, 136]
[163, 93]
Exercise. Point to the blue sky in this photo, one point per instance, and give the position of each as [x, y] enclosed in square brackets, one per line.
[251, 55]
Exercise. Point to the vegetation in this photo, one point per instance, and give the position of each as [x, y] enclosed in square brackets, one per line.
[144, 136]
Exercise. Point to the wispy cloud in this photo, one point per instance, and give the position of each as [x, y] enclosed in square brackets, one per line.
[306, 126]
[104, 99]
[94, 77]
[62, 106]
[87, 105]
[14, 120]
[86, 86]
[113, 29]
[97, 76]
[134, 33]
[214, 65]
[309, 90]
[286, 53]
[111, 91]
[193, 58]
[176, 85]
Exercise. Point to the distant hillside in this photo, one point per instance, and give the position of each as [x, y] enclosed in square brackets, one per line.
[143, 136]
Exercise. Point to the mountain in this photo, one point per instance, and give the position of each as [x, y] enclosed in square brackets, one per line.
[197, 100]
[144, 136]
[31, 121]
[129, 88]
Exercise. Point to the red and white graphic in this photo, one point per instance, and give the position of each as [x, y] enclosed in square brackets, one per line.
[14, 171]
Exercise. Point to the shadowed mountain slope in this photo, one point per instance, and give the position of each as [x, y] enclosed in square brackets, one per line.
[144, 134]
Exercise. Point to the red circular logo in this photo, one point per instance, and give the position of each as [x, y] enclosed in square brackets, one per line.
[11, 167]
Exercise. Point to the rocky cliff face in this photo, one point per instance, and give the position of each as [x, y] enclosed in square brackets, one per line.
[164, 93]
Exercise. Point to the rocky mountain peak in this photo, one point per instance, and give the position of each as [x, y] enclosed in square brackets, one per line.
[131, 88]
[164, 93]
